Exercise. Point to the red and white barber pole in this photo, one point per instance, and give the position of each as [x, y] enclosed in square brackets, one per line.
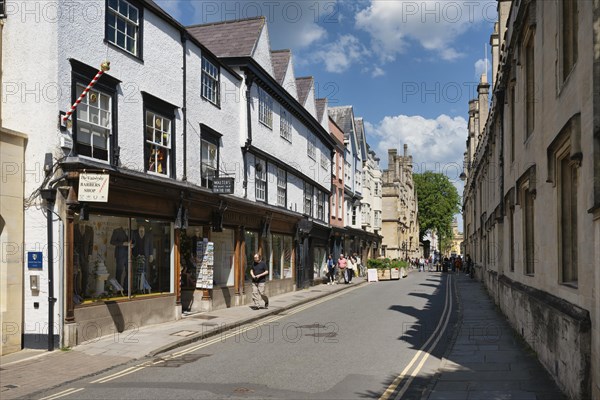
[105, 66]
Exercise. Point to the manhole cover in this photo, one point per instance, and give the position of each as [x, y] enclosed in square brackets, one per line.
[184, 333]
[204, 316]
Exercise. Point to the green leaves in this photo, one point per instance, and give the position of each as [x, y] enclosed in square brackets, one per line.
[438, 202]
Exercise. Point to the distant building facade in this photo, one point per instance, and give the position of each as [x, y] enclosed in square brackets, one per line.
[400, 225]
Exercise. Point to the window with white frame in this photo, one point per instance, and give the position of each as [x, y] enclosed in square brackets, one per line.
[210, 81]
[123, 26]
[311, 149]
[340, 200]
[324, 162]
[281, 187]
[285, 124]
[265, 108]
[94, 123]
[158, 143]
[333, 206]
[320, 205]
[308, 199]
[260, 179]
[377, 188]
[209, 160]
[347, 173]
[377, 219]
[340, 166]
[353, 217]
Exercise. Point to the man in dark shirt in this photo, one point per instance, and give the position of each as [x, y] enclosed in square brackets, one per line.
[259, 272]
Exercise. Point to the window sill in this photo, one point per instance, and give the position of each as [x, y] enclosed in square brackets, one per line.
[122, 50]
[265, 125]
[570, 285]
[211, 102]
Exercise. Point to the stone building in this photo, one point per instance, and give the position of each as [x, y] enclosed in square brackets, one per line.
[531, 205]
[400, 226]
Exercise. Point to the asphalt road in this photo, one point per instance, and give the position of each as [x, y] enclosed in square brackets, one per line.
[354, 344]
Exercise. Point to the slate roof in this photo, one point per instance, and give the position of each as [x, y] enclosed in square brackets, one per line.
[343, 118]
[303, 86]
[280, 59]
[235, 38]
[320, 104]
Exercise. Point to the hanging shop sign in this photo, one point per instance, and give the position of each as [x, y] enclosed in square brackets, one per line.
[93, 187]
[223, 185]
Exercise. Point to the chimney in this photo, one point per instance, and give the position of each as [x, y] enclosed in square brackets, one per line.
[483, 90]
[495, 43]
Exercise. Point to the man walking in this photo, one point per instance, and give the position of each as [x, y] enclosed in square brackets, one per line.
[259, 272]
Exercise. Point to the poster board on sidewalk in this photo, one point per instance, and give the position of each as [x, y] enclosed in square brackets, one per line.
[372, 275]
[205, 254]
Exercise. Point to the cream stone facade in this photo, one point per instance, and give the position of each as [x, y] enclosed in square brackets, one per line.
[532, 195]
[12, 154]
[400, 226]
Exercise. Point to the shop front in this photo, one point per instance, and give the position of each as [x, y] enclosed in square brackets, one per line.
[218, 247]
[119, 257]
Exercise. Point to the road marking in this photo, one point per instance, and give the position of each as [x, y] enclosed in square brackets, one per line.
[219, 338]
[62, 394]
[437, 332]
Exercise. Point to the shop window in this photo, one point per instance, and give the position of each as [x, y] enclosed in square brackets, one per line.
[192, 251]
[319, 261]
[281, 260]
[120, 257]
[251, 242]
[223, 257]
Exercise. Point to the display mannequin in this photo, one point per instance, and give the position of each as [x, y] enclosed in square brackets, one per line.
[120, 240]
[83, 246]
[144, 246]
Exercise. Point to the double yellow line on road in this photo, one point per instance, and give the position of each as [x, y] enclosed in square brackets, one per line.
[423, 353]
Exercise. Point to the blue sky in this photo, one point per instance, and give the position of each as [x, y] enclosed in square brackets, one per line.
[409, 68]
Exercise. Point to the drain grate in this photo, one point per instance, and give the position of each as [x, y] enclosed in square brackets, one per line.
[184, 333]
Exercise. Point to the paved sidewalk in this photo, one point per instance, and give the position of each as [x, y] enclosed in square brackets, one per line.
[26, 372]
[487, 359]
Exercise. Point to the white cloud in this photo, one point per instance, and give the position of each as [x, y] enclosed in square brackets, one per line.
[377, 72]
[435, 144]
[481, 66]
[338, 56]
[435, 25]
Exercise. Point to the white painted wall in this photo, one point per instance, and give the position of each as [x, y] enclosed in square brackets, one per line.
[262, 52]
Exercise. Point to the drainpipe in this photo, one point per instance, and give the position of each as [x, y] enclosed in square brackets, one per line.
[184, 109]
[249, 80]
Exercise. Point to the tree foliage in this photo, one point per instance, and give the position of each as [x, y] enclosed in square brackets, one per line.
[438, 202]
